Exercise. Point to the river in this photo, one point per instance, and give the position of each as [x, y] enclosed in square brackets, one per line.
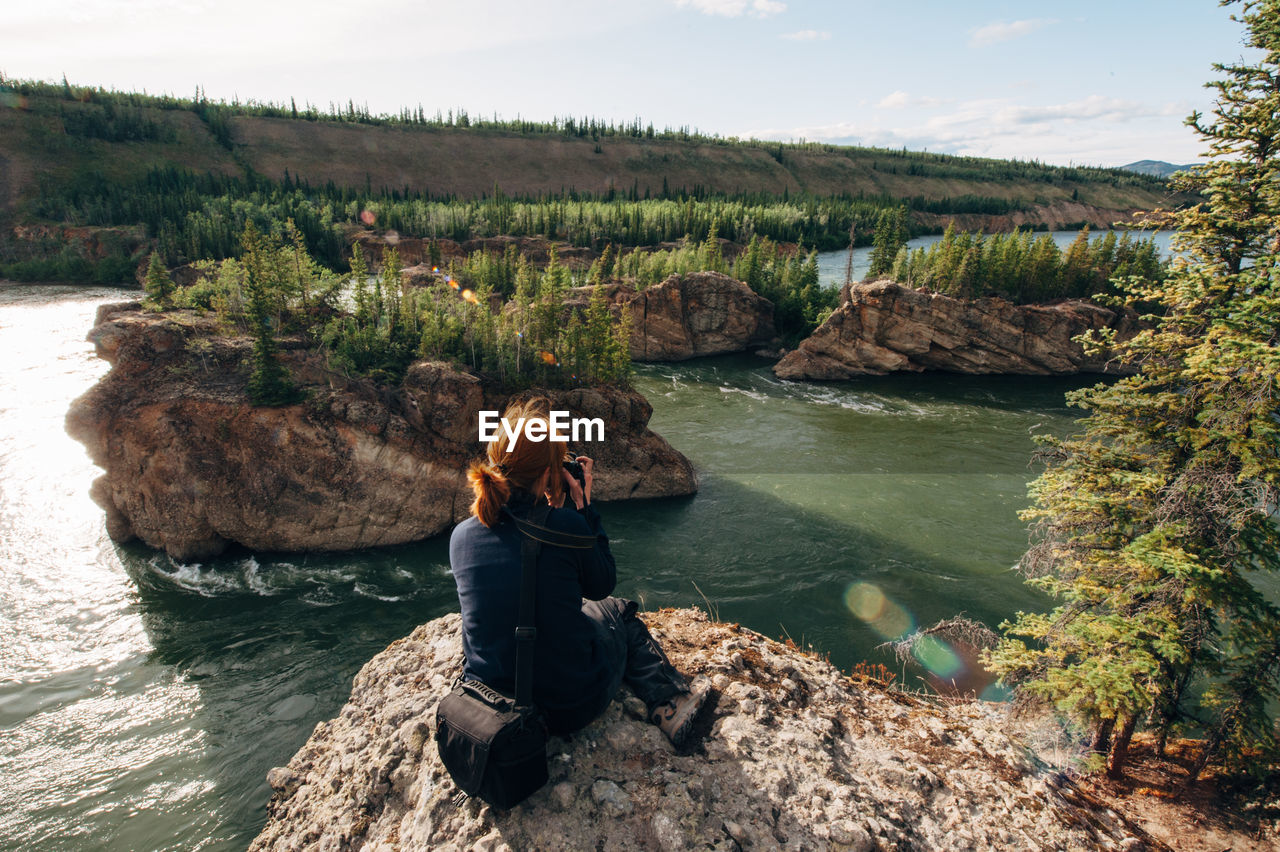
[142, 702]
[832, 265]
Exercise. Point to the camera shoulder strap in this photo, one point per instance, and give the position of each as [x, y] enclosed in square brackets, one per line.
[526, 631]
[536, 528]
[534, 533]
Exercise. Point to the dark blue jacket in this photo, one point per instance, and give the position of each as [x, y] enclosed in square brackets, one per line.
[571, 666]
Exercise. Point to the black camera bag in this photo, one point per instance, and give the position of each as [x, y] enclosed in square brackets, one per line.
[494, 744]
[493, 749]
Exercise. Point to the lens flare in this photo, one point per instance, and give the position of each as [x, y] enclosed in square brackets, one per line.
[468, 296]
[865, 601]
[368, 217]
[548, 358]
[997, 692]
[937, 656]
[886, 617]
[452, 283]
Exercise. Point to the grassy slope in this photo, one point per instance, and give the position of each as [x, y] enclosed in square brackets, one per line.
[468, 162]
[34, 148]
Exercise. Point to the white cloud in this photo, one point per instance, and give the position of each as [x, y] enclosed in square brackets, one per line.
[1092, 108]
[902, 100]
[1095, 129]
[736, 8]
[999, 31]
[175, 45]
[807, 35]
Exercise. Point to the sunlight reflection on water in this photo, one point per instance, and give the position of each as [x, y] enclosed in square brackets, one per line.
[142, 701]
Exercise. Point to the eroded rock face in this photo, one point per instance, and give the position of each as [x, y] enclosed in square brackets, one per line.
[687, 316]
[191, 466]
[882, 327]
[795, 756]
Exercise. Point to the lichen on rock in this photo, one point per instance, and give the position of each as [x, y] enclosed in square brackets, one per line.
[793, 755]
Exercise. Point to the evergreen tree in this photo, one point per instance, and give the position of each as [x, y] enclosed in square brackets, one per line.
[1154, 522]
[892, 234]
[360, 287]
[269, 382]
[1076, 278]
[709, 257]
[159, 286]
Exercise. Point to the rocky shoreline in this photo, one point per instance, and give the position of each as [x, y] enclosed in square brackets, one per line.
[794, 755]
[883, 327]
[190, 466]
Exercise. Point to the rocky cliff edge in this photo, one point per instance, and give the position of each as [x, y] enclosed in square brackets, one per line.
[883, 327]
[794, 755]
[190, 466]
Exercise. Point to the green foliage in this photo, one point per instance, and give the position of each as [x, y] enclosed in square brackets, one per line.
[194, 216]
[643, 267]
[790, 281]
[786, 277]
[216, 115]
[198, 216]
[159, 286]
[530, 339]
[497, 316]
[269, 383]
[1154, 523]
[891, 237]
[1023, 268]
[114, 260]
[380, 338]
[274, 289]
[112, 123]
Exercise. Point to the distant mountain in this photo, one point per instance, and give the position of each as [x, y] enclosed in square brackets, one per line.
[1156, 168]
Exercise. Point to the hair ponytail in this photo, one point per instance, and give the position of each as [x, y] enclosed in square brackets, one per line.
[491, 489]
[519, 466]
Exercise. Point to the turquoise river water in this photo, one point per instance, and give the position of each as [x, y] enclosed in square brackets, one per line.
[142, 702]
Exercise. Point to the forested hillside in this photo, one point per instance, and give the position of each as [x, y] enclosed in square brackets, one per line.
[190, 172]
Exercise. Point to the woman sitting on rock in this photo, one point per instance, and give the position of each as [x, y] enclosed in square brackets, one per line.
[585, 649]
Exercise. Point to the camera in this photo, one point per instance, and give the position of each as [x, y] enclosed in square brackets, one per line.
[574, 467]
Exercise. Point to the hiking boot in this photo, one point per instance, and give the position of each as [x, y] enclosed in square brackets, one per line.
[675, 716]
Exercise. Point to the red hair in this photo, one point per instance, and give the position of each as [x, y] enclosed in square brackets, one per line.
[493, 478]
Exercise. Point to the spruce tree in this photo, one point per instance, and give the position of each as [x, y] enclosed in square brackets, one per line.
[269, 382]
[1153, 523]
[159, 286]
[891, 235]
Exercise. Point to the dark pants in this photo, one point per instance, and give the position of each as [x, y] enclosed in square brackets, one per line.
[636, 659]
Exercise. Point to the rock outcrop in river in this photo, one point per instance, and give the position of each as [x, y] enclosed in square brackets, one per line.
[883, 327]
[191, 466]
[691, 315]
[793, 756]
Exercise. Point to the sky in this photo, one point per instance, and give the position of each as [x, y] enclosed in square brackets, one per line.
[1094, 83]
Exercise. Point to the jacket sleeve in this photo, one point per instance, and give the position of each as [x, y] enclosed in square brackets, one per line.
[597, 572]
